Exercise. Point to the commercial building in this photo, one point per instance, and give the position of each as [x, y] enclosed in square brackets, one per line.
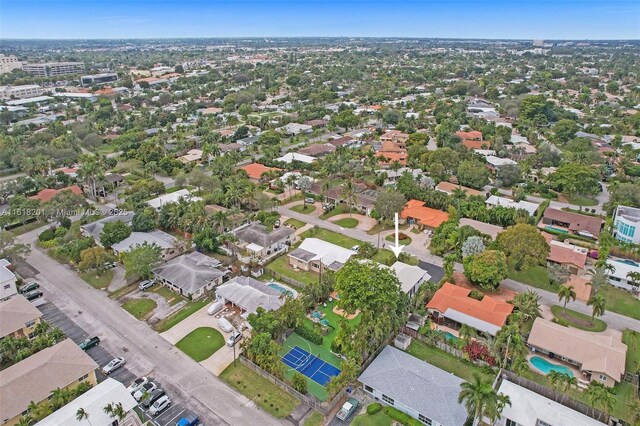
[53, 69]
[9, 63]
[20, 92]
[90, 80]
[626, 222]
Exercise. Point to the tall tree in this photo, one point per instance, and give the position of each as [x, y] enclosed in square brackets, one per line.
[566, 293]
[481, 399]
[524, 246]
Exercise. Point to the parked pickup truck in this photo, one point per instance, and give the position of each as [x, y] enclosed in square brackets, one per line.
[347, 409]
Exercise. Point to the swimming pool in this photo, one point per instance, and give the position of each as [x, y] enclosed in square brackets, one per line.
[547, 367]
[628, 262]
[553, 228]
[450, 336]
[283, 289]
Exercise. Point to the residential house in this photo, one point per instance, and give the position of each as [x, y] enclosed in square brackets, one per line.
[473, 135]
[18, 318]
[169, 245]
[411, 277]
[47, 194]
[338, 142]
[476, 144]
[290, 157]
[621, 272]
[363, 202]
[191, 157]
[258, 244]
[528, 408]
[415, 212]
[452, 306]
[390, 153]
[257, 172]
[316, 123]
[92, 403]
[315, 255]
[249, 294]
[414, 387]
[496, 163]
[94, 229]
[626, 221]
[485, 228]
[570, 222]
[8, 281]
[598, 356]
[191, 274]
[571, 256]
[318, 151]
[496, 200]
[297, 129]
[62, 366]
[173, 197]
[449, 188]
[395, 136]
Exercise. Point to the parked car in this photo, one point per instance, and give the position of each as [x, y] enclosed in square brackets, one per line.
[113, 365]
[89, 343]
[225, 325]
[136, 384]
[215, 307]
[146, 284]
[160, 405]
[28, 287]
[309, 200]
[347, 409]
[145, 389]
[235, 337]
[110, 265]
[33, 295]
[190, 420]
[152, 397]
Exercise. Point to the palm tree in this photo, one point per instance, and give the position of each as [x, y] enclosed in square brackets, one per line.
[528, 304]
[480, 398]
[109, 409]
[568, 383]
[82, 414]
[91, 171]
[509, 343]
[25, 420]
[634, 279]
[566, 293]
[600, 396]
[349, 194]
[467, 333]
[598, 305]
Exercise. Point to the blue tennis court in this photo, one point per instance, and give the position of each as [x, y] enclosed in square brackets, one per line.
[311, 366]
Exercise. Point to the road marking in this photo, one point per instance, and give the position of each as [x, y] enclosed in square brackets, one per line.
[176, 416]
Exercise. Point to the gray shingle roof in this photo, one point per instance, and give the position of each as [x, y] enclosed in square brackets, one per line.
[258, 234]
[418, 385]
[250, 294]
[94, 229]
[190, 272]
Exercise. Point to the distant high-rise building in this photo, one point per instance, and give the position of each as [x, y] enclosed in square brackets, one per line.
[54, 69]
[9, 63]
[538, 43]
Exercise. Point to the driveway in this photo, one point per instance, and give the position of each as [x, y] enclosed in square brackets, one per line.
[222, 358]
[364, 222]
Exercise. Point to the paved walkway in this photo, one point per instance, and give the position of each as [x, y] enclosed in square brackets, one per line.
[365, 223]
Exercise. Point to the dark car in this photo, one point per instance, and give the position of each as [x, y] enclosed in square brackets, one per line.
[152, 397]
[28, 287]
[89, 343]
[33, 295]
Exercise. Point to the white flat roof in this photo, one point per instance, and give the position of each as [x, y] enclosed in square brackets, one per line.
[495, 200]
[173, 197]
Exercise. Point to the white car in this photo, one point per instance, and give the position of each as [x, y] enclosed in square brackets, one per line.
[137, 384]
[113, 365]
[145, 389]
[160, 405]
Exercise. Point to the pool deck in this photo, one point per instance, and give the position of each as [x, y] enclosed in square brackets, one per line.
[445, 329]
[579, 375]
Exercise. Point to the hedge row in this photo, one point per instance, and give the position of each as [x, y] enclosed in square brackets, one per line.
[309, 334]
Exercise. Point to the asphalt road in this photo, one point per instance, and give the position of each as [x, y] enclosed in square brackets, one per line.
[146, 352]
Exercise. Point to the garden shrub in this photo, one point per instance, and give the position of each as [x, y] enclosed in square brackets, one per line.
[401, 417]
[47, 235]
[374, 408]
[299, 383]
[310, 335]
[60, 232]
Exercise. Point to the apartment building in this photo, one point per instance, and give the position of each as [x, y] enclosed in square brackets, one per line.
[53, 69]
[9, 63]
[18, 318]
[20, 92]
[626, 222]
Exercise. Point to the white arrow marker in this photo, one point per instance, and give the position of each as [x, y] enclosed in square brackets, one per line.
[398, 248]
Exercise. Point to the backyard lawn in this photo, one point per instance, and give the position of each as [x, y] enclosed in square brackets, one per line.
[295, 223]
[347, 222]
[268, 396]
[579, 320]
[190, 308]
[445, 361]
[632, 339]
[98, 281]
[139, 308]
[536, 276]
[281, 266]
[171, 296]
[201, 343]
[332, 237]
[334, 323]
[621, 301]
[305, 209]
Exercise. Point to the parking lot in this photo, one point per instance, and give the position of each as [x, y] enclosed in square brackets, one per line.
[101, 356]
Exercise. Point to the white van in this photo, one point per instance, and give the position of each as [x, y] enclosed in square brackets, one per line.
[225, 325]
[215, 307]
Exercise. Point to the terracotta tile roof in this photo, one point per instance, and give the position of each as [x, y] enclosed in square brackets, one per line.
[256, 170]
[489, 310]
[390, 157]
[577, 222]
[567, 254]
[476, 144]
[426, 216]
[448, 187]
[597, 352]
[47, 194]
[390, 146]
[473, 134]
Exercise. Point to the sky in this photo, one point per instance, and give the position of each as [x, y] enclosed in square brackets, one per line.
[488, 19]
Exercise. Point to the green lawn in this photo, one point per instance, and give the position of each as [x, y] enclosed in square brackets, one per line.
[23, 229]
[536, 276]
[301, 208]
[340, 209]
[378, 419]
[315, 419]
[201, 343]
[313, 388]
[334, 323]
[98, 281]
[268, 396]
[404, 242]
[171, 296]
[347, 222]
[580, 200]
[281, 266]
[621, 301]
[332, 237]
[139, 308]
[445, 361]
[295, 223]
[579, 320]
[190, 308]
[632, 339]
[384, 256]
